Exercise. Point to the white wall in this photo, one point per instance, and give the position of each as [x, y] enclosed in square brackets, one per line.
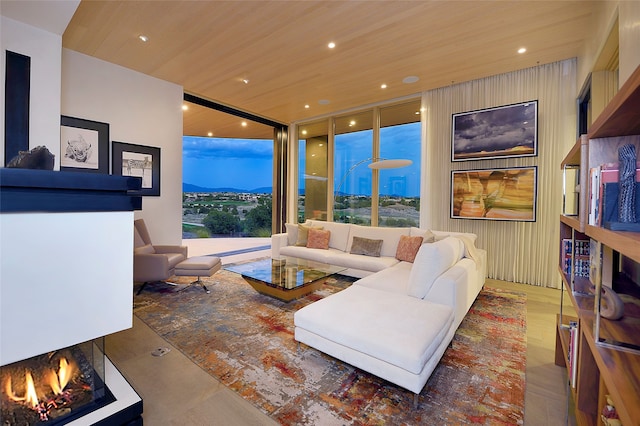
[140, 110]
[44, 108]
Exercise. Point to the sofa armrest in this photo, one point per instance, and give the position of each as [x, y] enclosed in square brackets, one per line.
[161, 249]
[278, 241]
[150, 267]
[450, 289]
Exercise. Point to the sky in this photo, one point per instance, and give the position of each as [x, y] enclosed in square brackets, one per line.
[247, 163]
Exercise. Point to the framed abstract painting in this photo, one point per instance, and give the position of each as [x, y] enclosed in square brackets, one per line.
[495, 194]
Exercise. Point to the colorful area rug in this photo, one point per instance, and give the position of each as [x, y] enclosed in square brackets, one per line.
[245, 340]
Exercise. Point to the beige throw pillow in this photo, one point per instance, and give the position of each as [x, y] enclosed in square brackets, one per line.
[366, 246]
[303, 234]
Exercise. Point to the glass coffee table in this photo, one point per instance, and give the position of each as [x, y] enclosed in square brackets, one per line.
[286, 279]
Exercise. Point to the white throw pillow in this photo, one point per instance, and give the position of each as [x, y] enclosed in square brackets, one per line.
[432, 261]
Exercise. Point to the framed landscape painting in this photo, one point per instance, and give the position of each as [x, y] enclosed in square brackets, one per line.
[499, 132]
[138, 160]
[495, 194]
[84, 145]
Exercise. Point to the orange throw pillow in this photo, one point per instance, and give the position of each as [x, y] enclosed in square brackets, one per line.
[408, 248]
[318, 238]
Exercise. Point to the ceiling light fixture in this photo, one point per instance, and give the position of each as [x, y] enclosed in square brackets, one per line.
[143, 38]
[383, 86]
[245, 81]
[185, 107]
[210, 134]
[522, 50]
[243, 124]
[307, 106]
[331, 45]
[304, 132]
[410, 79]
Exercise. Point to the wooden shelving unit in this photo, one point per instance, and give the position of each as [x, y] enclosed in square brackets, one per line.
[603, 370]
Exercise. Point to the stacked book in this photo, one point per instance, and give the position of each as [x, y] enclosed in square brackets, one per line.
[580, 257]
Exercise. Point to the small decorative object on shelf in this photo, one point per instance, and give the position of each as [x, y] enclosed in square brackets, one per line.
[626, 220]
[627, 205]
[611, 305]
[609, 414]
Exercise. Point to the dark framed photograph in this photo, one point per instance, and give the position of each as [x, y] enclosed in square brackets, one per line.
[495, 194]
[499, 132]
[138, 160]
[84, 145]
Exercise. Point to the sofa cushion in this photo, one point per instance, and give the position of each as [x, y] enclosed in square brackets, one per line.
[430, 262]
[292, 233]
[389, 236]
[317, 255]
[394, 279]
[358, 261]
[339, 233]
[366, 246]
[145, 249]
[408, 248]
[318, 238]
[303, 234]
[406, 336]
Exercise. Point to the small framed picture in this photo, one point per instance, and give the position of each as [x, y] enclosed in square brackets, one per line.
[494, 194]
[140, 161]
[84, 145]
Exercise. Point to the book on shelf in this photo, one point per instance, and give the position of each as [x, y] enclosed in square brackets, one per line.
[580, 257]
[572, 353]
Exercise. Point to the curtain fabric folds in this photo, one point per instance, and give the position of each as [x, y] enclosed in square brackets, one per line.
[524, 252]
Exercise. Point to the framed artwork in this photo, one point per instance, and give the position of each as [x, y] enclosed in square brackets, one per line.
[84, 145]
[140, 161]
[500, 132]
[495, 194]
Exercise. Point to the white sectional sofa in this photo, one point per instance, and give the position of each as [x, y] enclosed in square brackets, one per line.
[398, 319]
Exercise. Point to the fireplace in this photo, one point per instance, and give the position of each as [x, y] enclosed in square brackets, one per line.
[66, 280]
[55, 387]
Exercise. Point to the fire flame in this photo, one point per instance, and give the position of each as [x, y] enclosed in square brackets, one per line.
[56, 381]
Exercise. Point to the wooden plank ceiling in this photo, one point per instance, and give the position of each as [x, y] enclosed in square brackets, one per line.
[280, 47]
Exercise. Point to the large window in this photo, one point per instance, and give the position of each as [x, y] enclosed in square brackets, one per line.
[231, 173]
[399, 200]
[360, 194]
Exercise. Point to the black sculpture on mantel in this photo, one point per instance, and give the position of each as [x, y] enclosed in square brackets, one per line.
[627, 181]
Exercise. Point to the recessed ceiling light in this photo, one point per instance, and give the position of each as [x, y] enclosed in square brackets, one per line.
[522, 50]
[304, 132]
[352, 123]
[331, 45]
[324, 102]
[320, 144]
[245, 80]
[307, 106]
[143, 38]
[210, 134]
[383, 86]
[185, 107]
[410, 79]
[244, 124]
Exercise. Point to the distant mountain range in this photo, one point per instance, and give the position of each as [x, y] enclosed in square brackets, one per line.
[187, 187]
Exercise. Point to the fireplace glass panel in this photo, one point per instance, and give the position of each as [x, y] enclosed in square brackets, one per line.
[55, 387]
